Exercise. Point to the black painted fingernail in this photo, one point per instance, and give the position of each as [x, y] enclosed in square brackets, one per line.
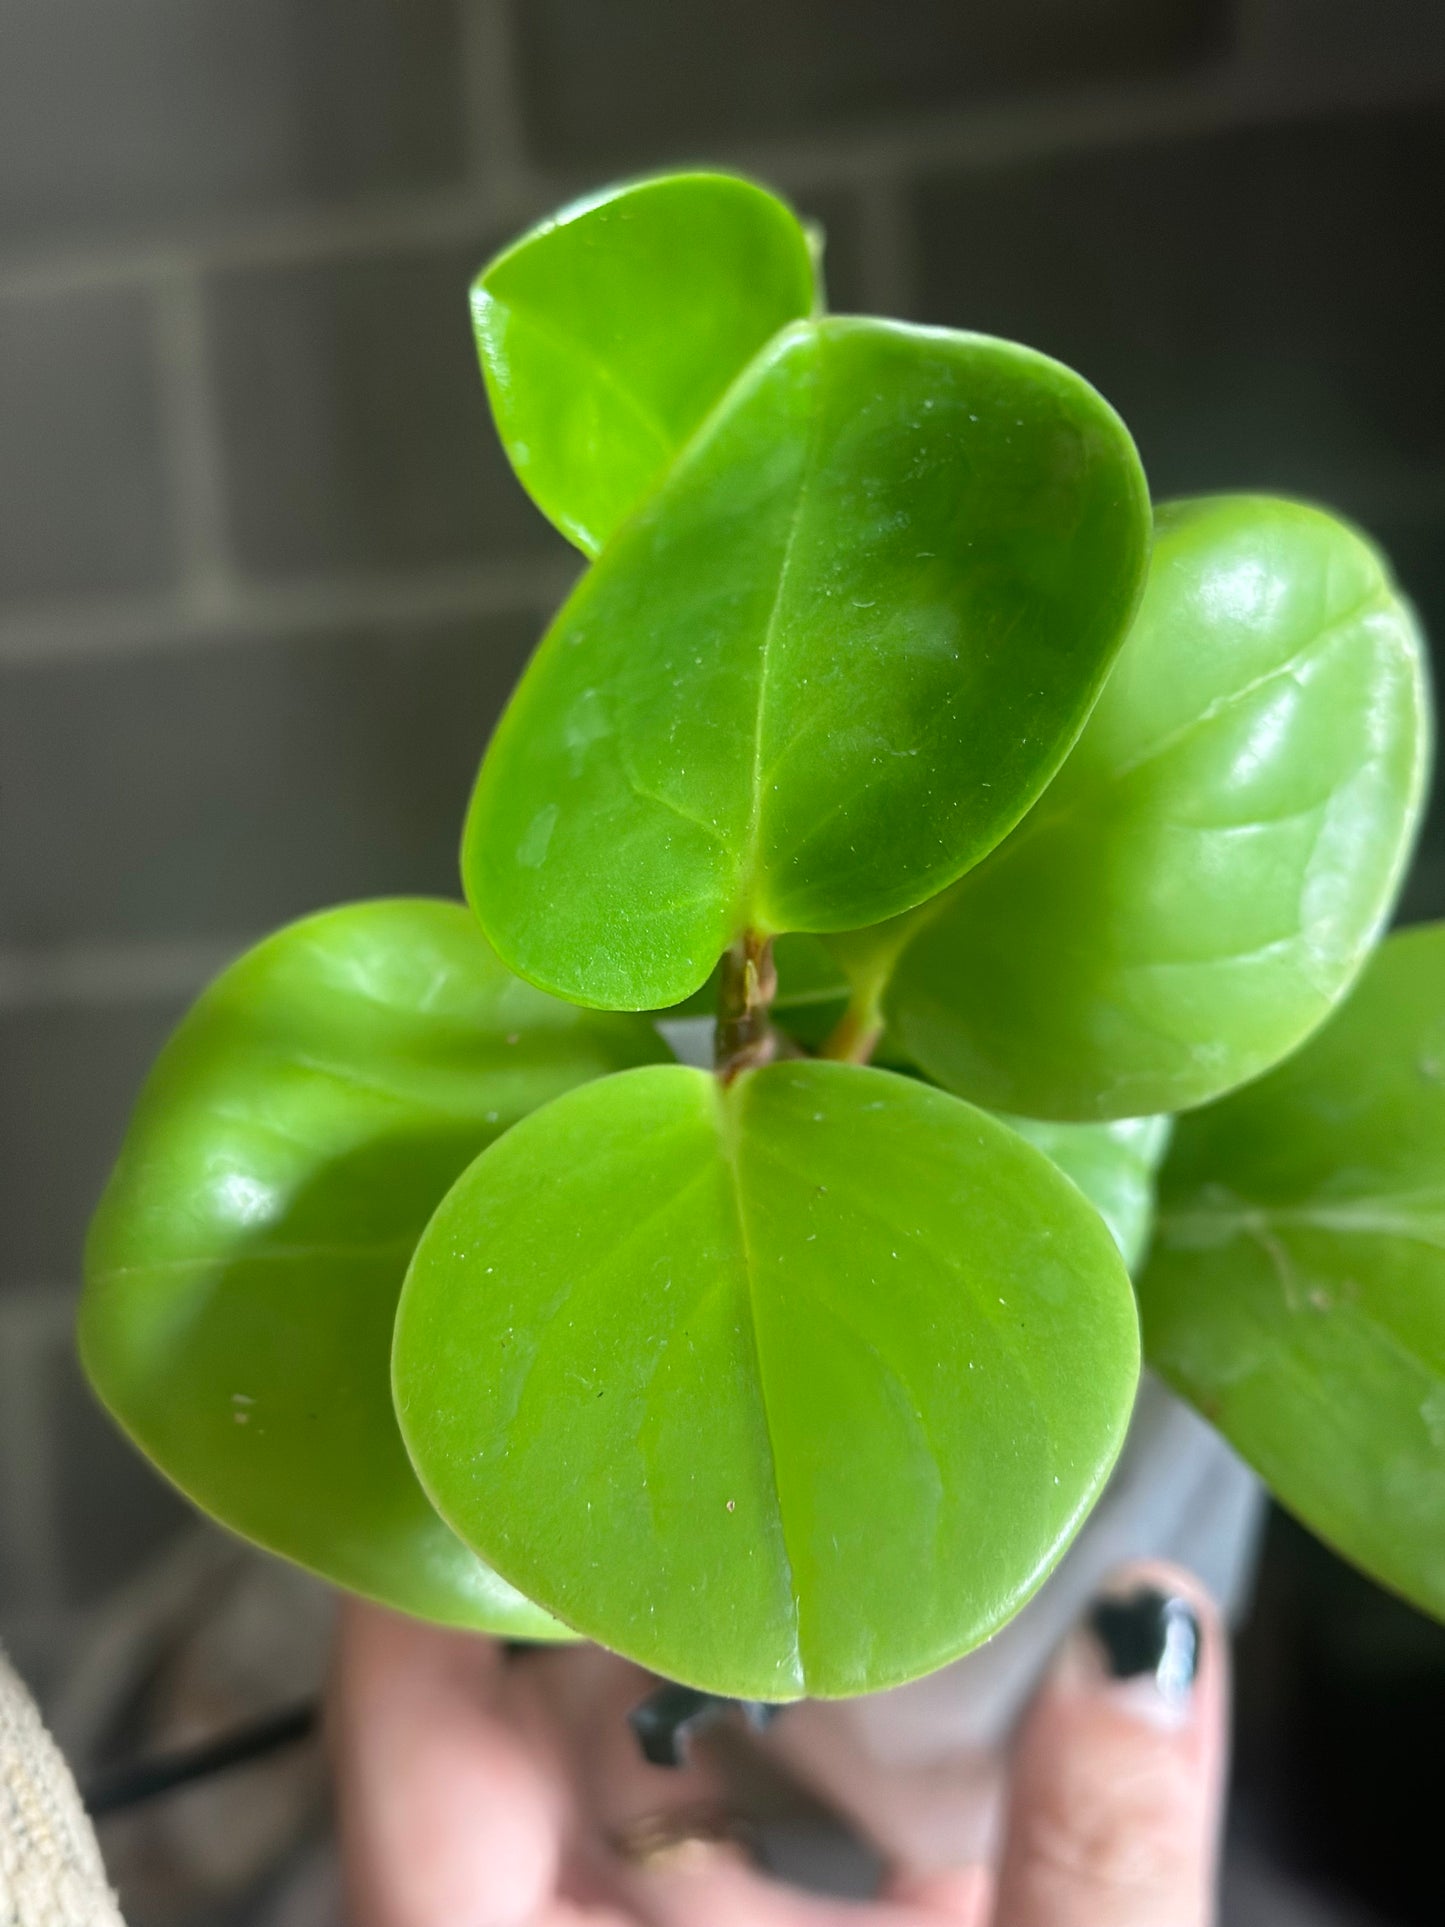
[667, 1721]
[760, 1714]
[1148, 1632]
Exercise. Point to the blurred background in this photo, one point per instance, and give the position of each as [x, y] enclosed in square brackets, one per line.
[265, 580]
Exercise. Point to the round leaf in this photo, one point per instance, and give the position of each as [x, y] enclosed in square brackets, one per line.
[823, 670]
[1296, 1290]
[1208, 871]
[607, 333]
[243, 1269]
[796, 1387]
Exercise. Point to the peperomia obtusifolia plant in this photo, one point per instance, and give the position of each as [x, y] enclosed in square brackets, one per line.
[998, 817]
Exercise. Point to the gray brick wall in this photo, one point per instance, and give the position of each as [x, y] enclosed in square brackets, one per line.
[265, 578]
[134, 119]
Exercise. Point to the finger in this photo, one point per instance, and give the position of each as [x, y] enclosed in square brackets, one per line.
[930, 1818]
[643, 1816]
[591, 1694]
[707, 1886]
[449, 1810]
[569, 1913]
[628, 1809]
[959, 1894]
[1114, 1814]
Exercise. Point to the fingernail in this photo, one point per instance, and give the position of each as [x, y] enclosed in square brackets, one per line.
[667, 1721]
[1149, 1637]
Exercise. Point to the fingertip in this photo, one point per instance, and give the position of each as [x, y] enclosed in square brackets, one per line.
[376, 1648]
[1150, 1644]
[961, 1896]
[444, 1796]
[1120, 1763]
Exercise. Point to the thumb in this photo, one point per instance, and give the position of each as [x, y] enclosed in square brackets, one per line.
[451, 1803]
[1114, 1812]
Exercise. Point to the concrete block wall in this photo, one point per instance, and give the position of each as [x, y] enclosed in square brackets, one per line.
[265, 578]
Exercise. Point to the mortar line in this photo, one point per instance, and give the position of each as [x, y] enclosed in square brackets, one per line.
[888, 237]
[437, 217]
[107, 973]
[104, 626]
[981, 139]
[496, 140]
[192, 442]
[973, 139]
[29, 1320]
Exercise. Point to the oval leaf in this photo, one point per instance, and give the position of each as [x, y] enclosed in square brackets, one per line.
[1113, 1165]
[243, 1268]
[607, 333]
[824, 670]
[797, 1387]
[1296, 1290]
[1205, 876]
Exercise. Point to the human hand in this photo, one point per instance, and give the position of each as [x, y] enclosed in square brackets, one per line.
[475, 1791]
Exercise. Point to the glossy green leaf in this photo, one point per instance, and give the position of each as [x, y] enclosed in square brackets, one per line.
[607, 333]
[1296, 1290]
[244, 1265]
[1205, 876]
[796, 1387]
[812, 991]
[1113, 1165]
[826, 667]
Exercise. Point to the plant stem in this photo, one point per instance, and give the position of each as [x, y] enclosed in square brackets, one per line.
[748, 984]
[854, 1038]
[868, 959]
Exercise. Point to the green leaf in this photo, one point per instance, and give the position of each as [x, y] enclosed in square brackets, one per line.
[827, 666]
[1296, 1290]
[244, 1266]
[1209, 870]
[1113, 1165]
[607, 333]
[812, 991]
[796, 1387]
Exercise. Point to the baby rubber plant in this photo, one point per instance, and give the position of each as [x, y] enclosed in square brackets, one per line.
[998, 817]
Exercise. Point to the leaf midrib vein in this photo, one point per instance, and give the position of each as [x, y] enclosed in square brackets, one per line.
[1256, 1227]
[1388, 1340]
[1375, 1218]
[947, 1261]
[759, 775]
[583, 350]
[729, 1130]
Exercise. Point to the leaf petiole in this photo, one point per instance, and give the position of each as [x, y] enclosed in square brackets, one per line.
[854, 1038]
[747, 985]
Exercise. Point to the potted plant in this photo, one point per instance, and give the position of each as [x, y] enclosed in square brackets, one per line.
[1016, 833]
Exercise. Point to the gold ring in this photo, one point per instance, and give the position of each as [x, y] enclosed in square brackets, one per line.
[672, 1833]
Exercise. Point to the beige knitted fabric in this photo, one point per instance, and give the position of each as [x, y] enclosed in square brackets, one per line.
[50, 1870]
